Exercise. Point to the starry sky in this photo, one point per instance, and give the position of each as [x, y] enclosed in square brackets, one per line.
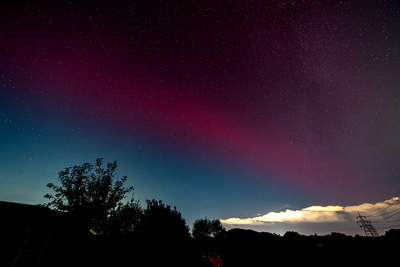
[226, 109]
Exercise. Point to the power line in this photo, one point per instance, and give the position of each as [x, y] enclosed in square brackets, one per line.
[387, 217]
[382, 220]
[388, 221]
[396, 202]
[386, 213]
[388, 227]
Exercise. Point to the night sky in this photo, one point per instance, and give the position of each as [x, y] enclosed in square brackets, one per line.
[224, 109]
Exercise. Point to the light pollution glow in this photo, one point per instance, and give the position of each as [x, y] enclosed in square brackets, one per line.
[316, 214]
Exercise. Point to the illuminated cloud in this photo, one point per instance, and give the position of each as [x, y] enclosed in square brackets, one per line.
[316, 214]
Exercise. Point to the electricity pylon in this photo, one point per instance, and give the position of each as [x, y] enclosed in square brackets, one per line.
[369, 229]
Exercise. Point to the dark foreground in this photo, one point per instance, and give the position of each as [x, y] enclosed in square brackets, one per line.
[36, 236]
[234, 251]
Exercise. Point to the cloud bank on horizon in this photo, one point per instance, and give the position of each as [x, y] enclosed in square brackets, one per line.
[319, 214]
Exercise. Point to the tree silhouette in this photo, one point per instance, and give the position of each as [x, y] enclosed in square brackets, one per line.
[393, 233]
[160, 222]
[204, 228]
[90, 193]
[125, 218]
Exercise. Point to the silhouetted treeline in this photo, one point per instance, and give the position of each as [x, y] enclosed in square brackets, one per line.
[290, 239]
[44, 237]
[91, 226]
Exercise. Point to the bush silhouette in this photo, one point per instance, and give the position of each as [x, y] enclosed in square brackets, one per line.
[161, 222]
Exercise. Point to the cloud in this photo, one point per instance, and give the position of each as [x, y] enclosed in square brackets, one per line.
[316, 214]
